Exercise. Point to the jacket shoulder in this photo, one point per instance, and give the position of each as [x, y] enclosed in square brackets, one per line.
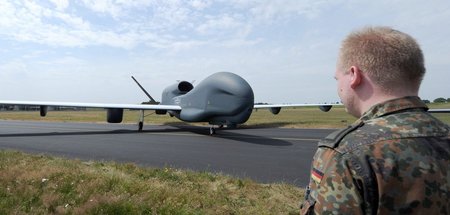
[332, 140]
[394, 126]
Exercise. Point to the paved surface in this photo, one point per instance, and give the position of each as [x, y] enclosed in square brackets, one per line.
[263, 154]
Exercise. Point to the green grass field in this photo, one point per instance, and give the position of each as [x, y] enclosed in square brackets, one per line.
[35, 184]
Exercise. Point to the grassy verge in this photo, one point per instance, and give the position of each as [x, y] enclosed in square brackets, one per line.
[37, 184]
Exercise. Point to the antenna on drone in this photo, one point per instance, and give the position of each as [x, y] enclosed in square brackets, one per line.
[152, 101]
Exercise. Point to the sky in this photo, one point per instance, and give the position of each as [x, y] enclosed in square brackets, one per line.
[87, 50]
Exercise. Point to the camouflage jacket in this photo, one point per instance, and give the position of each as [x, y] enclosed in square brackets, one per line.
[395, 159]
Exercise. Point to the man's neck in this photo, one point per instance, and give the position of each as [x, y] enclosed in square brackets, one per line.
[382, 97]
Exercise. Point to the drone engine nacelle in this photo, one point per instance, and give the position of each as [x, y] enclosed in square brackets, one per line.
[174, 90]
[184, 87]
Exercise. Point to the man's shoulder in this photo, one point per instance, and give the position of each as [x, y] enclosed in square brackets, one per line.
[390, 127]
[333, 140]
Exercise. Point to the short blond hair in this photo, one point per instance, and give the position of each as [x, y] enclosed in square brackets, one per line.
[390, 58]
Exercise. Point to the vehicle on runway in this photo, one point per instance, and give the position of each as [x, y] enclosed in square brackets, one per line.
[222, 99]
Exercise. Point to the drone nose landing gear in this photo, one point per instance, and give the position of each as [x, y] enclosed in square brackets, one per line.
[212, 129]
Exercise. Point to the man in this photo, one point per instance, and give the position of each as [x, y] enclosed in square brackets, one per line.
[395, 158]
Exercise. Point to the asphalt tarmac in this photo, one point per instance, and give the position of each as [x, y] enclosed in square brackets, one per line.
[263, 154]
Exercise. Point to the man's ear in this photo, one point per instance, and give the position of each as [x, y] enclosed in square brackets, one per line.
[356, 77]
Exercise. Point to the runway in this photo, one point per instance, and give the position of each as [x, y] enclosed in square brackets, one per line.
[263, 154]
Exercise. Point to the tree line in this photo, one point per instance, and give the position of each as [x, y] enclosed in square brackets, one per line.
[438, 100]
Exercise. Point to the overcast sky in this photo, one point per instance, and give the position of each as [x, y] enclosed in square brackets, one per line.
[86, 50]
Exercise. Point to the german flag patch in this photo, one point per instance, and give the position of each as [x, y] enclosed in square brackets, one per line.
[316, 175]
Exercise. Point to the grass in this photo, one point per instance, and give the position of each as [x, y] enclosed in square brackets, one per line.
[38, 184]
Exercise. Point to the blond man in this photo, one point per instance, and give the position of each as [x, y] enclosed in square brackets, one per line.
[395, 158]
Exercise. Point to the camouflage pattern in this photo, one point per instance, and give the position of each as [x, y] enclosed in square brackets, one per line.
[393, 160]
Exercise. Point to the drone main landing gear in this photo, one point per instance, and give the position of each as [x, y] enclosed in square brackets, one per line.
[212, 130]
[141, 120]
